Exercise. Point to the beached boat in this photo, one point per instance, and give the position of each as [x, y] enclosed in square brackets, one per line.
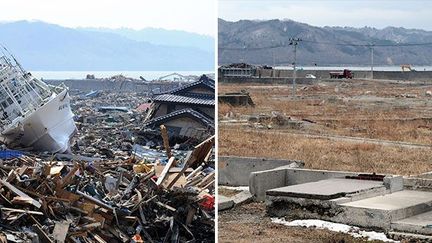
[33, 114]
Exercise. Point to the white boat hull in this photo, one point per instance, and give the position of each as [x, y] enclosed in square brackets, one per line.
[49, 128]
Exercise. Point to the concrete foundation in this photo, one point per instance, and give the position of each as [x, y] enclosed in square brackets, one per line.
[261, 181]
[384, 204]
[235, 171]
[326, 189]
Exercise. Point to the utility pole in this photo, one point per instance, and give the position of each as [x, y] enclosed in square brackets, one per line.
[294, 42]
[273, 52]
[371, 46]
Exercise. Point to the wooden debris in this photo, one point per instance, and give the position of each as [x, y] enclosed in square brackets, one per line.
[110, 200]
[165, 171]
[165, 138]
[22, 197]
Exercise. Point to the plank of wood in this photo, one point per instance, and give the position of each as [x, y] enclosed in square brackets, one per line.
[95, 201]
[206, 179]
[180, 182]
[165, 138]
[21, 194]
[208, 185]
[165, 171]
[199, 154]
[98, 238]
[195, 172]
[15, 210]
[159, 168]
[166, 206]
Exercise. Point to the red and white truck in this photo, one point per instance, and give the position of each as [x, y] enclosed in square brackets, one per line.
[346, 73]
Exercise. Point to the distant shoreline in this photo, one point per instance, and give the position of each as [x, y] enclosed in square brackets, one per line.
[148, 75]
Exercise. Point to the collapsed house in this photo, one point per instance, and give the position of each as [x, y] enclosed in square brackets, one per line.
[237, 70]
[236, 98]
[187, 111]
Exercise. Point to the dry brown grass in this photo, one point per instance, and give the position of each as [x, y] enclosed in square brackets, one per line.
[353, 108]
[325, 154]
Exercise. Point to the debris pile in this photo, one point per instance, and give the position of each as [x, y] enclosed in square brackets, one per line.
[278, 119]
[113, 114]
[236, 99]
[132, 199]
[111, 126]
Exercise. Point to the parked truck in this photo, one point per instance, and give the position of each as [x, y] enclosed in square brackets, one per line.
[346, 73]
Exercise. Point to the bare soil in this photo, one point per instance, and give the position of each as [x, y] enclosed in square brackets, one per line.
[248, 223]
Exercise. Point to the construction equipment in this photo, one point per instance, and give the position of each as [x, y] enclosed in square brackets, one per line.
[346, 73]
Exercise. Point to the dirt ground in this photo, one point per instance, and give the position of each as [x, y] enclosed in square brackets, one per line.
[248, 223]
[397, 111]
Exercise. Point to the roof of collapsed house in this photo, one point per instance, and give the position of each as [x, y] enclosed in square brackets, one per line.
[185, 94]
[188, 112]
[204, 82]
[191, 97]
[196, 99]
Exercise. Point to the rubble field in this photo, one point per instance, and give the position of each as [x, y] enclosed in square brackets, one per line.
[381, 127]
[396, 111]
[326, 126]
[122, 182]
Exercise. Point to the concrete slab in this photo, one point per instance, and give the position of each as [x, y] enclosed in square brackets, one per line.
[242, 197]
[423, 219]
[384, 211]
[224, 203]
[326, 189]
[394, 201]
[420, 223]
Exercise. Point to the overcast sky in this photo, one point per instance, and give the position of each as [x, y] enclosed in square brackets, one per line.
[197, 16]
[354, 13]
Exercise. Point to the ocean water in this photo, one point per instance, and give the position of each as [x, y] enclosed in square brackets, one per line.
[148, 75]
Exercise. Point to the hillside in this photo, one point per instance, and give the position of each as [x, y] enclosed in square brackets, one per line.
[245, 41]
[163, 37]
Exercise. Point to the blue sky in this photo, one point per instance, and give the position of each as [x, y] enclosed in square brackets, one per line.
[197, 16]
[380, 14]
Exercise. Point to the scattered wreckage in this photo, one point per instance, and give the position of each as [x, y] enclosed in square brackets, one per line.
[122, 183]
[131, 200]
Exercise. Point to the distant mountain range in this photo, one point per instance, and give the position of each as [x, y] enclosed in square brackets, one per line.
[159, 36]
[249, 41]
[43, 46]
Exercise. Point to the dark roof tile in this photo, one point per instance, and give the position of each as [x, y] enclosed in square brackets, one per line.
[194, 114]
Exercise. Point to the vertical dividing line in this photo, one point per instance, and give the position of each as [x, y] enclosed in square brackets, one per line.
[372, 59]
